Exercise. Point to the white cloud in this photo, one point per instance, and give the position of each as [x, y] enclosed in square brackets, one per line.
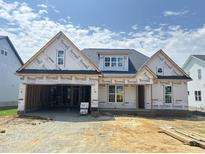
[42, 6]
[135, 27]
[43, 12]
[29, 30]
[54, 9]
[175, 13]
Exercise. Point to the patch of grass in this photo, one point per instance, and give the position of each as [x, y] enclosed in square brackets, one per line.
[8, 112]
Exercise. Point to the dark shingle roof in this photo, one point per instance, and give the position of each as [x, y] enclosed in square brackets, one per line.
[202, 57]
[35, 71]
[136, 59]
[12, 46]
[173, 77]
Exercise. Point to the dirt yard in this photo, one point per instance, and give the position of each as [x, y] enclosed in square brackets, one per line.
[90, 134]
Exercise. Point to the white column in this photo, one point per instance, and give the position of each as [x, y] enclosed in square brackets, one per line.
[21, 97]
[94, 96]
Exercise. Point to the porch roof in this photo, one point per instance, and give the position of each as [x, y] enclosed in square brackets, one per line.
[174, 77]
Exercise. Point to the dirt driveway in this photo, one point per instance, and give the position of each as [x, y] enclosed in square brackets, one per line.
[71, 133]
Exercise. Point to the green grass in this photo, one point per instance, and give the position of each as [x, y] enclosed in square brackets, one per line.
[8, 112]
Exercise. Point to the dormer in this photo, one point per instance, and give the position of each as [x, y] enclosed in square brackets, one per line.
[115, 61]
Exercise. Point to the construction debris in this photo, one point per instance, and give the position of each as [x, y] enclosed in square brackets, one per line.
[188, 139]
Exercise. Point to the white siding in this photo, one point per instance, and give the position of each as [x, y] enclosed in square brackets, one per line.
[9, 82]
[196, 84]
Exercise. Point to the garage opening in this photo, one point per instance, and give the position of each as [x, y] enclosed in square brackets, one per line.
[56, 96]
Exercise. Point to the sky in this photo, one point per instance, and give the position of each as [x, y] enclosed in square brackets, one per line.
[176, 26]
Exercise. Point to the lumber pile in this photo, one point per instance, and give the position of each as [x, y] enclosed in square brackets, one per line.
[189, 139]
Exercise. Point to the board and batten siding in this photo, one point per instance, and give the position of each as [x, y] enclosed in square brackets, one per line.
[130, 98]
[9, 82]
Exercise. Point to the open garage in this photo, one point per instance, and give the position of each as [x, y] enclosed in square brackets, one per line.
[40, 97]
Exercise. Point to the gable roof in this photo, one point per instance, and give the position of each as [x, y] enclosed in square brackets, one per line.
[135, 58]
[201, 57]
[12, 46]
[197, 57]
[50, 42]
[185, 75]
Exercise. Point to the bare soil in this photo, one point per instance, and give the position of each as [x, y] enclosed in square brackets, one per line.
[90, 134]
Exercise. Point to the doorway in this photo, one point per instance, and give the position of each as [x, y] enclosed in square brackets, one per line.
[141, 95]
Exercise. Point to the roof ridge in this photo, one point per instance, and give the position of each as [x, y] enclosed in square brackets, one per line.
[199, 55]
[108, 49]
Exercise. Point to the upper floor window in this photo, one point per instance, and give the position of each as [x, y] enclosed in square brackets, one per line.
[107, 61]
[199, 73]
[3, 52]
[197, 95]
[60, 57]
[113, 61]
[159, 70]
[120, 62]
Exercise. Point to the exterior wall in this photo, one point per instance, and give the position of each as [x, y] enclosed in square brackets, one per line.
[55, 80]
[179, 95]
[130, 98]
[147, 101]
[9, 82]
[160, 61]
[48, 58]
[196, 84]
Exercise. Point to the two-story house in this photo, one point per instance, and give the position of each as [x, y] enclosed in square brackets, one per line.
[195, 67]
[62, 75]
[9, 82]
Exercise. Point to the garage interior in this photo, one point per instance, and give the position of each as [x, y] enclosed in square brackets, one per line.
[40, 97]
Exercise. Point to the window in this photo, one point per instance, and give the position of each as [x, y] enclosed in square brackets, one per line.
[116, 93]
[120, 61]
[107, 61]
[60, 57]
[199, 73]
[111, 93]
[113, 61]
[168, 94]
[197, 95]
[2, 52]
[159, 70]
[5, 53]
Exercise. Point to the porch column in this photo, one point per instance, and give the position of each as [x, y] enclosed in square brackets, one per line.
[21, 98]
[94, 96]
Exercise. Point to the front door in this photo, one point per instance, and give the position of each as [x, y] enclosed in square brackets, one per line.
[141, 97]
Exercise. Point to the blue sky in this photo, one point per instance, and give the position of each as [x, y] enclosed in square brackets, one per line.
[176, 26]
